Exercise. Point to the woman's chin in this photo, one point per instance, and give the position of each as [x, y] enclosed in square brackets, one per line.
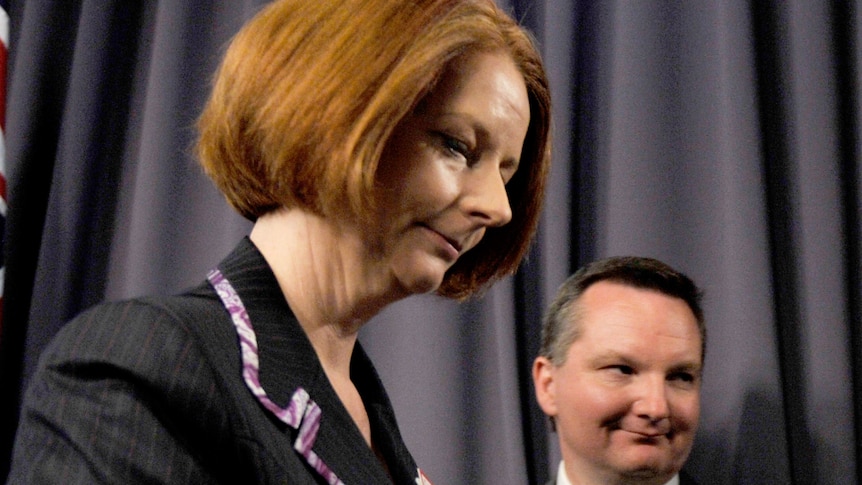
[418, 274]
[419, 287]
[418, 283]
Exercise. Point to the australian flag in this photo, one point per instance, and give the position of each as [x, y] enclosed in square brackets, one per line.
[4, 46]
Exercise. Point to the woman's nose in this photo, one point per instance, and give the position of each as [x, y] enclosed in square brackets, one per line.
[487, 198]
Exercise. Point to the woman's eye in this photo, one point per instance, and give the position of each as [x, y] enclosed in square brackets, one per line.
[508, 170]
[456, 146]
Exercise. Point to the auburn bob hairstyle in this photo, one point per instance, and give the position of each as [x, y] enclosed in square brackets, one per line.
[309, 93]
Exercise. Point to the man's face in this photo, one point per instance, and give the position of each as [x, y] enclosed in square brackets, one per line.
[626, 401]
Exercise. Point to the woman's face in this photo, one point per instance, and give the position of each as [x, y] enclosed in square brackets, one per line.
[443, 173]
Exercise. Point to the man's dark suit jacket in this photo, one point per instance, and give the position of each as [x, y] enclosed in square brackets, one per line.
[151, 391]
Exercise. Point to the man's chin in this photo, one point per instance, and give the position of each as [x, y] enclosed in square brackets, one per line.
[646, 463]
[649, 472]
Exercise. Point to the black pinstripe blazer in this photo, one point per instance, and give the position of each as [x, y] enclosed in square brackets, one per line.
[150, 391]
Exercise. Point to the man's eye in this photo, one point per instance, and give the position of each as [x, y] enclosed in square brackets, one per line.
[622, 369]
[682, 377]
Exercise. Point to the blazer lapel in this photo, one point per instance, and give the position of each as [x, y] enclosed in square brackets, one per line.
[319, 427]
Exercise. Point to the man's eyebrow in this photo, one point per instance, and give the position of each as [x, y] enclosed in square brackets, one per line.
[612, 355]
[609, 356]
[691, 367]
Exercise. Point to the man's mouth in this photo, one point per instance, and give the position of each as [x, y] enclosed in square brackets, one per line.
[646, 434]
[649, 437]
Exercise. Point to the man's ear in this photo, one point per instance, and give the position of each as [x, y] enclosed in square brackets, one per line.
[543, 381]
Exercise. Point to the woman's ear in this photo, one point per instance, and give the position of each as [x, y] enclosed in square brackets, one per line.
[544, 374]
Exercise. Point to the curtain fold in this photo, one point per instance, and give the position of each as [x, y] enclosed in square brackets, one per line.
[721, 137]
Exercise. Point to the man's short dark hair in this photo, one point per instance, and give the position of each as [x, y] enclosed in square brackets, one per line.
[560, 328]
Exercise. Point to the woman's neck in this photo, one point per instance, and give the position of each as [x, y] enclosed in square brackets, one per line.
[321, 269]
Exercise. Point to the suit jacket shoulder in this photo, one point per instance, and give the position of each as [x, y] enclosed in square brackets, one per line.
[128, 392]
[686, 479]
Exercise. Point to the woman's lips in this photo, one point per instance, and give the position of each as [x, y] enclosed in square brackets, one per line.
[451, 247]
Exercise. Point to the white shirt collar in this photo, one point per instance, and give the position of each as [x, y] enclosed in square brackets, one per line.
[563, 478]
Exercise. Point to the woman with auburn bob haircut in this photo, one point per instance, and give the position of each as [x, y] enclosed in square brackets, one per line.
[306, 99]
[382, 148]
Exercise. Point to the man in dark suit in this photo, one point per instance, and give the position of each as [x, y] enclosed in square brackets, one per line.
[619, 372]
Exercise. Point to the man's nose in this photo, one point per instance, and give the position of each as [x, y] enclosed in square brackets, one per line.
[651, 401]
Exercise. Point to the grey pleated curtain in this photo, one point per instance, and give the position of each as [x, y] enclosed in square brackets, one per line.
[719, 136]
